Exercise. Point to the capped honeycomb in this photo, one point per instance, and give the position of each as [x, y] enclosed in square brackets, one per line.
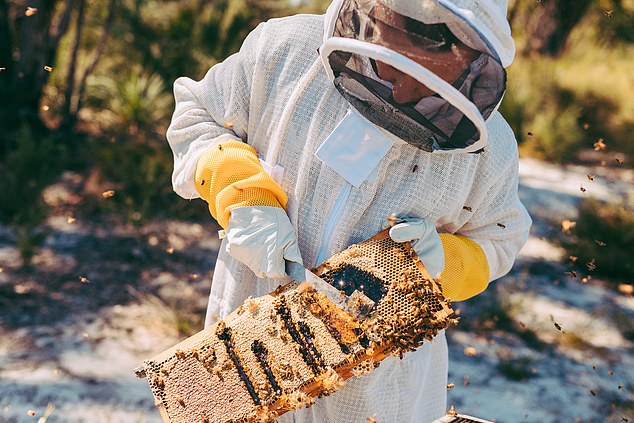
[409, 305]
[278, 352]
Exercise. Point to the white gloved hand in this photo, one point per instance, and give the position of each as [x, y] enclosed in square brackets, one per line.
[424, 240]
[264, 239]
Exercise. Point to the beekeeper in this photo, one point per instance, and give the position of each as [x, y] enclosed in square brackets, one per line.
[321, 127]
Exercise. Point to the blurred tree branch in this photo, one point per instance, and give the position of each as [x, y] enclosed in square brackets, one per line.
[61, 26]
[67, 118]
[547, 23]
[95, 58]
[74, 98]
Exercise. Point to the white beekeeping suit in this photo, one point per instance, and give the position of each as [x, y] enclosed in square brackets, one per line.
[277, 95]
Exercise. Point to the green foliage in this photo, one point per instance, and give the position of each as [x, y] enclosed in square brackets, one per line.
[545, 116]
[617, 28]
[185, 38]
[604, 236]
[140, 171]
[567, 102]
[135, 101]
[30, 162]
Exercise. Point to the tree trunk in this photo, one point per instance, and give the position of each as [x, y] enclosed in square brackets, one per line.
[548, 23]
[5, 64]
[68, 118]
[32, 43]
[95, 59]
[5, 40]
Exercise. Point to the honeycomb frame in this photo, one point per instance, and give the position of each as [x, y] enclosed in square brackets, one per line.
[276, 353]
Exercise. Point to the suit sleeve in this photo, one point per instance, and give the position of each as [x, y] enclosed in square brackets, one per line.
[486, 247]
[211, 111]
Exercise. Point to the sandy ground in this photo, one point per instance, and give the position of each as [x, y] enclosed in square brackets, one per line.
[540, 346]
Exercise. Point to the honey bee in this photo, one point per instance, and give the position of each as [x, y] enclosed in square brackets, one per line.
[599, 145]
[305, 288]
[159, 382]
[251, 305]
[331, 381]
[567, 225]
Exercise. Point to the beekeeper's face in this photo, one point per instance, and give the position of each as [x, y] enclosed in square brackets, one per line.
[448, 59]
[443, 80]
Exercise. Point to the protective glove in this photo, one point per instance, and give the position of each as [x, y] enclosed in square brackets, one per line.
[264, 239]
[229, 176]
[464, 266]
[424, 240]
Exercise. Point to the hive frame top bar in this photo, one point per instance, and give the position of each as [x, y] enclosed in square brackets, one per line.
[460, 418]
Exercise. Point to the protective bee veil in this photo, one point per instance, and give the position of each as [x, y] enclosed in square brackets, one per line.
[431, 72]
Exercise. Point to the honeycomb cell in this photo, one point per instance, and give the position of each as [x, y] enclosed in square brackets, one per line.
[278, 352]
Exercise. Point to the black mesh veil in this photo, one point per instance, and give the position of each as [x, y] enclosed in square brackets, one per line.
[393, 99]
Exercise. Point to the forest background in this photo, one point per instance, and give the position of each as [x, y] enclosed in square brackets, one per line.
[85, 100]
[86, 87]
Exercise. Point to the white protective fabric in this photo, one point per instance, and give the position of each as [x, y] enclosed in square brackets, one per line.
[264, 239]
[427, 243]
[278, 98]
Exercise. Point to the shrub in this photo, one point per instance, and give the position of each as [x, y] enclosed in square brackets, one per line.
[604, 236]
[30, 162]
[569, 101]
[138, 101]
[140, 170]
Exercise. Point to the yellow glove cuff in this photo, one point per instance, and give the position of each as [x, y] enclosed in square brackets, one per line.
[466, 272]
[229, 175]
